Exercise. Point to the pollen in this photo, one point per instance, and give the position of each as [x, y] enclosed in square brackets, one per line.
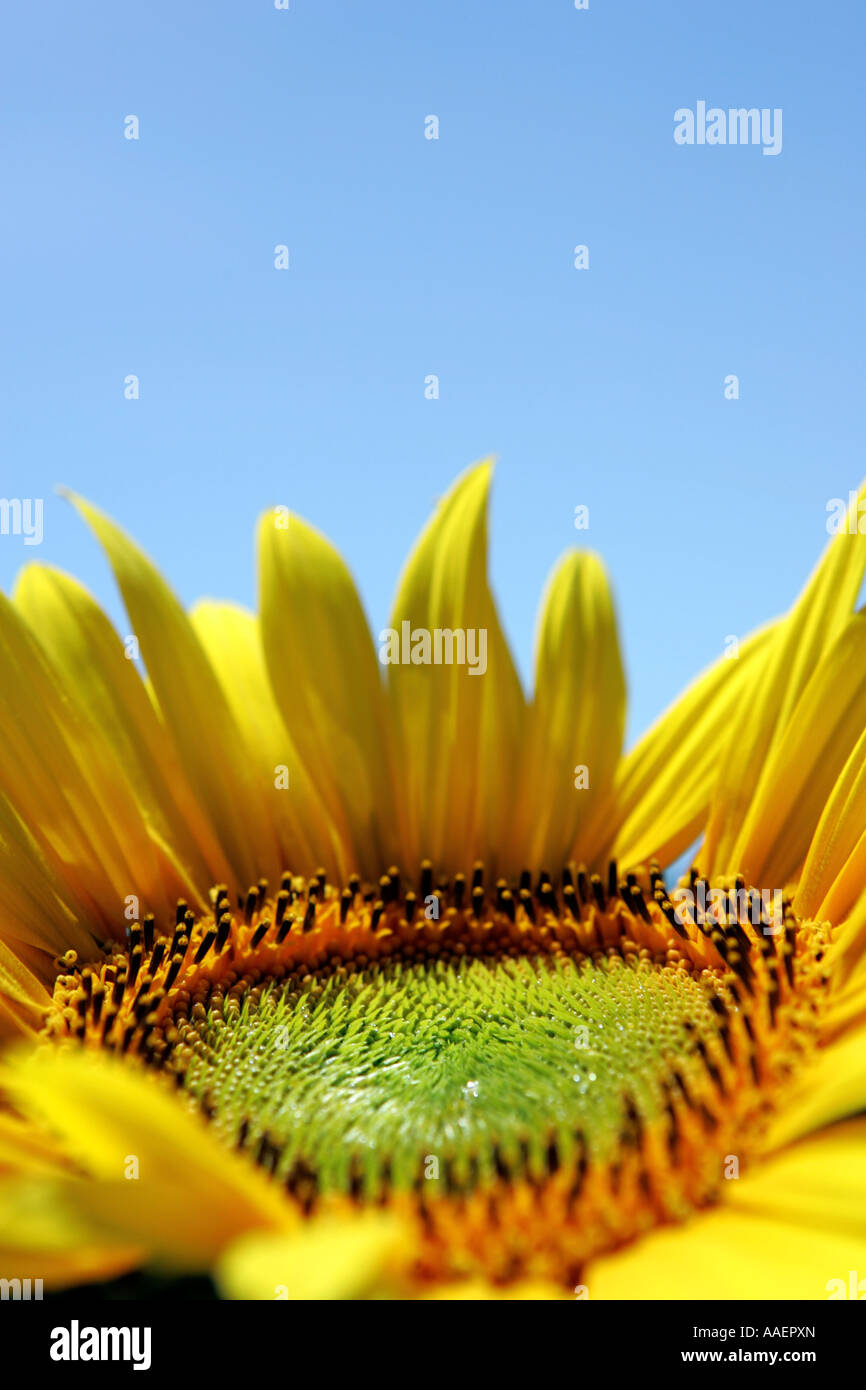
[530, 1072]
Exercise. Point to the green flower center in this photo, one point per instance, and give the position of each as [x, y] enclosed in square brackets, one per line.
[453, 1070]
[529, 1075]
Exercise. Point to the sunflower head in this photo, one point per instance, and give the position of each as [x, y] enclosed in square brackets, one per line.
[392, 943]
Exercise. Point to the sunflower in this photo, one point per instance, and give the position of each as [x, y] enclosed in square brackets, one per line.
[335, 975]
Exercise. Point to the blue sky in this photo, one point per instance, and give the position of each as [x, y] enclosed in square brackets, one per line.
[410, 257]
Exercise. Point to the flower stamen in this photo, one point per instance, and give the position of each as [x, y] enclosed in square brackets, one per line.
[619, 1050]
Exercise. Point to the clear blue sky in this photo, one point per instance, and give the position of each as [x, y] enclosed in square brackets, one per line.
[453, 257]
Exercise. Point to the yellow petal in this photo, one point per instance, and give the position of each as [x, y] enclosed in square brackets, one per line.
[503, 724]
[833, 882]
[794, 1229]
[66, 784]
[453, 720]
[663, 786]
[847, 1011]
[42, 1234]
[809, 631]
[804, 763]
[20, 984]
[206, 738]
[43, 1238]
[40, 906]
[91, 666]
[231, 637]
[832, 1088]
[327, 685]
[817, 1184]
[158, 1177]
[27, 1150]
[577, 717]
[329, 1258]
